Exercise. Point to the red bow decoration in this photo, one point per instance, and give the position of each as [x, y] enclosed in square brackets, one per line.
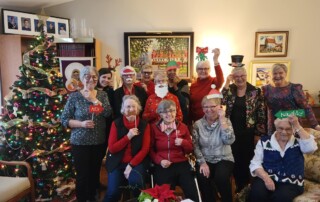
[202, 50]
[162, 193]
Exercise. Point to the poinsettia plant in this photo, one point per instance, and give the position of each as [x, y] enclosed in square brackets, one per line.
[158, 194]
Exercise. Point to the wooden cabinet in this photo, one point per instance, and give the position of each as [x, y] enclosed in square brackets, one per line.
[79, 47]
[316, 111]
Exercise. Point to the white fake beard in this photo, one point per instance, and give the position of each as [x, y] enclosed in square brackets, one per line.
[161, 91]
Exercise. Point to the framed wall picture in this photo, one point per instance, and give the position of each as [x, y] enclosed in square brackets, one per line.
[271, 44]
[157, 49]
[260, 71]
[70, 69]
[16, 22]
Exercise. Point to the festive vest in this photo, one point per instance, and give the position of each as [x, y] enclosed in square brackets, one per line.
[286, 169]
[114, 160]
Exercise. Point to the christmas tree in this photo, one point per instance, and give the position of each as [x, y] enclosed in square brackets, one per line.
[30, 127]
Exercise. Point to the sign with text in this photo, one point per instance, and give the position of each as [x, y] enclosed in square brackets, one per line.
[284, 114]
[96, 109]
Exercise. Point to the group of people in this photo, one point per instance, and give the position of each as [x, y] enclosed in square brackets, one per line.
[160, 120]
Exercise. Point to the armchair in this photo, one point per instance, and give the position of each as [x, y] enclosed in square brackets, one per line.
[15, 188]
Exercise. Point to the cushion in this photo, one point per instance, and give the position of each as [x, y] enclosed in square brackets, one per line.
[12, 186]
[312, 168]
[311, 193]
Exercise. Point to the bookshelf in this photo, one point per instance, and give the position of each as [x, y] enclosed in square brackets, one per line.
[79, 48]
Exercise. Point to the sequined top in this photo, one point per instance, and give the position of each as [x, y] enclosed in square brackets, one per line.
[77, 108]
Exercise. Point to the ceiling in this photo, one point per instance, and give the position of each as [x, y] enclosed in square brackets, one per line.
[30, 5]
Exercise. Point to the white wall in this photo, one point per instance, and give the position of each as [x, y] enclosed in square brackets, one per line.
[227, 24]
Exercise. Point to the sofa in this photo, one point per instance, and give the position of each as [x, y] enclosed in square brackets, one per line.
[312, 176]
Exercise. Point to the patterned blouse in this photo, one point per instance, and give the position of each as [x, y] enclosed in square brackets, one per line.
[77, 108]
[286, 98]
[255, 113]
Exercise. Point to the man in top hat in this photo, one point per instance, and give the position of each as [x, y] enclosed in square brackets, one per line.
[128, 77]
[179, 87]
[236, 61]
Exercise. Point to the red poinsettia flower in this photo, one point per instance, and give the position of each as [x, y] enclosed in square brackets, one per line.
[162, 193]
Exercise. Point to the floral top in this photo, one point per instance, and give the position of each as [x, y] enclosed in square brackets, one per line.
[255, 113]
[286, 98]
[77, 108]
[212, 143]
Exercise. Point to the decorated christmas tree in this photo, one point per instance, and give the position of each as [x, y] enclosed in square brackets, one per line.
[30, 127]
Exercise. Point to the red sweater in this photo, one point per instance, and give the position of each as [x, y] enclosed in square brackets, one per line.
[201, 88]
[150, 111]
[150, 87]
[163, 146]
[116, 145]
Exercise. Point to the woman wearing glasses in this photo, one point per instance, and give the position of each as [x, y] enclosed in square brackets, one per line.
[87, 132]
[246, 110]
[202, 85]
[170, 142]
[146, 80]
[212, 136]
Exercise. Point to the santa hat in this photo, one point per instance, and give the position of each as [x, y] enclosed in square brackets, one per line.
[214, 93]
[127, 70]
[172, 65]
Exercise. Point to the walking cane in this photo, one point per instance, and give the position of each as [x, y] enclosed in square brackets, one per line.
[192, 162]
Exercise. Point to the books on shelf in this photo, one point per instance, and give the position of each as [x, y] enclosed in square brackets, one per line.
[72, 50]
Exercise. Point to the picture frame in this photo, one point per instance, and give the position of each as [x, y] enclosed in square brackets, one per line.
[271, 44]
[70, 69]
[17, 22]
[157, 49]
[260, 71]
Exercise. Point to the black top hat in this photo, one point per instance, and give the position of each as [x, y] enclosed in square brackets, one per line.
[237, 59]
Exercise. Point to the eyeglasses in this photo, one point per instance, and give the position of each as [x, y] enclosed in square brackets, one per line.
[88, 77]
[147, 73]
[209, 107]
[203, 69]
[128, 75]
[171, 111]
[287, 130]
[239, 77]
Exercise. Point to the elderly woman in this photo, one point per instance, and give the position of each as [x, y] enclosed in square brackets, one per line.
[283, 95]
[146, 81]
[129, 144]
[88, 132]
[246, 110]
[278, 164]
[212, 137]
[202, 86]
[170, 142]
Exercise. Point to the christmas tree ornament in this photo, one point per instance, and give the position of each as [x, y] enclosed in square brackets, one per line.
[27, 129]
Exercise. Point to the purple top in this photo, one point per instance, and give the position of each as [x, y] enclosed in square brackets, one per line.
[285, 98]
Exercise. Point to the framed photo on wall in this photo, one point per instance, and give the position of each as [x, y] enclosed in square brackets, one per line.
[157, 49]
[271, 44]
[16, 22]
[70, 69]
[260, 71]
